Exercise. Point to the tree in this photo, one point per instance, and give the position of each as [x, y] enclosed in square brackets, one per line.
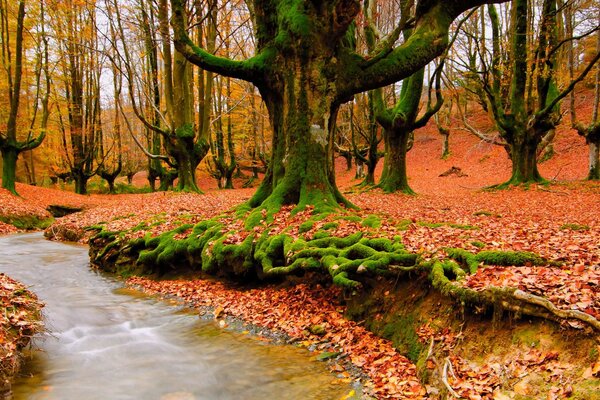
[305, 66]
[526, 106]
[80, 65]
[590, 132]
[400, 121]
[10, 146]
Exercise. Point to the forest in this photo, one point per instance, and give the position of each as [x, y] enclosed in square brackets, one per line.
[406, 190]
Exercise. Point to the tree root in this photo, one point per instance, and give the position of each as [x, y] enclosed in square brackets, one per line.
[448, 366]
[564, 314]
[210, 246]
[214, 248]
[509, 299]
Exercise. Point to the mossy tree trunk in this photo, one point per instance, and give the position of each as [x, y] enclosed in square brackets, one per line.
[394, 177]
[10, 146]
[524, 153]
[530, 111]
[400, 121]
[305, 67]
[591, 132]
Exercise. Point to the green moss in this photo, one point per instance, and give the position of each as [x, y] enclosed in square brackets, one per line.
[402, 332]
[330, 225]
[528, 336]
[404, 224]
[27, 222]
[185, 131]
[575, 227]
[372, 221]
[588, 389]
[306, 226]
[318, 330]
[509, 258]
[321, 235]
[478, 244]
[450, 224]
[327, 355]
[464, 257]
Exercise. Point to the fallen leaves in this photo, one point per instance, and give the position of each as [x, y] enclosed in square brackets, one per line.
[566, 288]
[19, 321]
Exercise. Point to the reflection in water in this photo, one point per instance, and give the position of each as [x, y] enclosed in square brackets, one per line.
[105, 343]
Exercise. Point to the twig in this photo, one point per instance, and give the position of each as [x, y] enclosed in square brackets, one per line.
[445, 378]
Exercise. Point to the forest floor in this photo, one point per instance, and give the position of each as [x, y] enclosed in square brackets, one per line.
[559, 221]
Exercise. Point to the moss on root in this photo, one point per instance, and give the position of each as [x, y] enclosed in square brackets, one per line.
[494, 257]
[209, 246]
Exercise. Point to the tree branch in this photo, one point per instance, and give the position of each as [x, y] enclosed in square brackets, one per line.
[250, 70]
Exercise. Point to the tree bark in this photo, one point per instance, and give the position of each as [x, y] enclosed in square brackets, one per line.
[394, 178]
[524, 160]
[594, 161]
[9, 168]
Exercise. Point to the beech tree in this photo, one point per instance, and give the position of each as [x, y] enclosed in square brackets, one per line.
[12, 64]
[521, 90]
[591, 131]
[401, 120]
[305, 67]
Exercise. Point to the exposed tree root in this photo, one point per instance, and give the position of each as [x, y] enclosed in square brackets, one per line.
[280, 245]
[265, 251]
[509, 299]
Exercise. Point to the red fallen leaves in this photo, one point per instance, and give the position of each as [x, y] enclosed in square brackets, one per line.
[470, 382]
[566, 288]
[480, 382]
[294, 311]
[6, 228]
[19, 320]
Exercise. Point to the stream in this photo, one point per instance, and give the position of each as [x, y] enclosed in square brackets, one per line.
[108, 342]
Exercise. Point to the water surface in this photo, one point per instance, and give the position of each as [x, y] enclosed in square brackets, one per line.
[106, 342]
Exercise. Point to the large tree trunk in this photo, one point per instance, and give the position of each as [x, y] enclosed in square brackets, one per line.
[524, 160]
[9, 167]
[302, 115]
[394, 177]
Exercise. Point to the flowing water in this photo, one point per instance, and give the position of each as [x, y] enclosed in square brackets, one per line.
[110, 343]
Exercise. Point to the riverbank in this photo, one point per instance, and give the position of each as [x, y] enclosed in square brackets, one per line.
[20, 320]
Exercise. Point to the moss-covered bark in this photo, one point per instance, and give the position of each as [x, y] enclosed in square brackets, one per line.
[9, 168]
[524, 157]
[394, 177]
[305, 67]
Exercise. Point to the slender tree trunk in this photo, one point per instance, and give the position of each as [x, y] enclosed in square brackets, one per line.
[594, 160]
[445, 142]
